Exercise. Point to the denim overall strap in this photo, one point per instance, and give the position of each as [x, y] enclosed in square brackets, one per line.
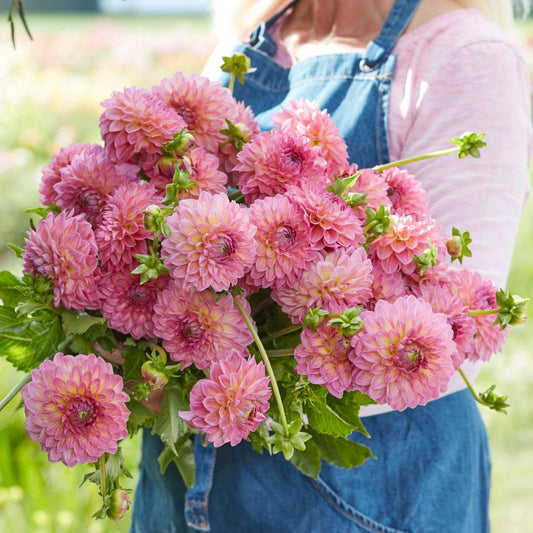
[380, 48]
[196, 498]
[260, 38]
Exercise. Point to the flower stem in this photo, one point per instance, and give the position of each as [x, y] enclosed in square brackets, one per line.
[266, 361]
[399, 162]
[101, 463]
[282, 332]
[231, 83]
[469, 385]
[483, 312]
[14, 391]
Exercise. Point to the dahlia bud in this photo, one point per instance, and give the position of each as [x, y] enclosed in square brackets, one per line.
[238, 134]
[154, 375]
[119, 503]
[182, 142]
[457, 245]
[513, 309]
[167, 164]
[152, 217]
[314, 318]
[453, 246]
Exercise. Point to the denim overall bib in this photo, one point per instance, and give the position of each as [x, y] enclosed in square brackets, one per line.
[432, 466]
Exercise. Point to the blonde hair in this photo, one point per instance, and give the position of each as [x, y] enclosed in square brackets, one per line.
[233, 20]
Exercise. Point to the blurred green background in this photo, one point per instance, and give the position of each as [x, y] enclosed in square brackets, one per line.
[50, 90]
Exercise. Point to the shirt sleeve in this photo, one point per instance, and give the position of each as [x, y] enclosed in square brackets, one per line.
[480, 86]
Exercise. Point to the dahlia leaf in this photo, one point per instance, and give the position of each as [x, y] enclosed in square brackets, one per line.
[347, 408]
[322, 417]
[47, 339]
[169, 425]
[341, 452]
[115, 466]
[79, 323]
[308, 461]
[186, 464]
[134, 358]
[167, 456]
[140, 416]
[11, 289]
[25, 342]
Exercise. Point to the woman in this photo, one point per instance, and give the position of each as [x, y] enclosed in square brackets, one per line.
[399, 78]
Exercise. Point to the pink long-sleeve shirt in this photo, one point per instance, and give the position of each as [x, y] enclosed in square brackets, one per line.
[456, 73]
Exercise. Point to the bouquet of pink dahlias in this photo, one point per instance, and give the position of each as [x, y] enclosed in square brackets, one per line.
[204, 277]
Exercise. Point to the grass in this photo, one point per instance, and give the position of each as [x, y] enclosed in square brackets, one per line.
[50, 94]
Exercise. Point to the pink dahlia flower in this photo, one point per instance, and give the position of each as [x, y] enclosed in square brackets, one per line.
[203, 169]
[121, 233]
[127, 304]
[201, 103]
[283, 248]
[232, 402]
[274, 160]
[372, 184]
[479, 293]
[333, 224]
[75, 408]
[404, 354]
[63, 248]
[407, 239]
[305, 118]
[322, 356]
[336, 280]
[51, 172]
[463, 326]
[212, 242]
[406, 193]
[136, 121]
[86, 183]
[199, 327]
[386, 286]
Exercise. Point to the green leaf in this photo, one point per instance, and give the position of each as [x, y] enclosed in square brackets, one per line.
[169, 425]
[347, 409]
[26, 342]
[322, 417]
[308, 461]
[79, 323]
[340, 452]
[186, 464]
[167, 456]
[140, 416]
[81, 344]
[11, 289]
[115, 466]
[134, 357]
[184, 461]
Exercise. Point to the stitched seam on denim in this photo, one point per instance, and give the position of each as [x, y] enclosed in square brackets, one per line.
[350, 512]
[339, 77]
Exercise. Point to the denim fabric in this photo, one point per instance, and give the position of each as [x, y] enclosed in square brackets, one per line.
[354, 88]
[433, 467]
[431, 475]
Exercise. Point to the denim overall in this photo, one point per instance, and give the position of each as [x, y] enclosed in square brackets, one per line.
[432, 467]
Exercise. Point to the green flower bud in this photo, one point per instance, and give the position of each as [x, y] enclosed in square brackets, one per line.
[154, 375]
[119, 503]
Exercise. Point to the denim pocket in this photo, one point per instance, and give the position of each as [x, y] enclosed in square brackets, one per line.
[364, 522]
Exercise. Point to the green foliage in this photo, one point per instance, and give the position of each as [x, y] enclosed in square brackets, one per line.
[169, 425]
[469, 144]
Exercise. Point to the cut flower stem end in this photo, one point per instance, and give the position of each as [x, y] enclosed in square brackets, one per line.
[267, 364]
